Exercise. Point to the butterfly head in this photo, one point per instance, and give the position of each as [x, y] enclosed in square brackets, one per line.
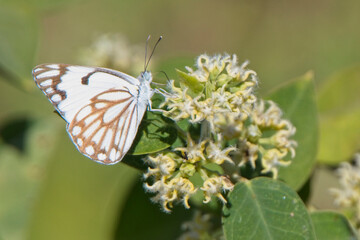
[146, 76]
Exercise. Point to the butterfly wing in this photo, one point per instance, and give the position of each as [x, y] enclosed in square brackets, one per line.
[99, 105]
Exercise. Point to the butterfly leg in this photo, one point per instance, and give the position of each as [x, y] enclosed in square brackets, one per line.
[157, 110]
[161, 92]
[149, 108]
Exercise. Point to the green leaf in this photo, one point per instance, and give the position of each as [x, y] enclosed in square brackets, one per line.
[265, 209]
[332, 225]
[297, 101]
[18, 41]
[192, 83]
[183, 126]
[156, 133]
[339, 110]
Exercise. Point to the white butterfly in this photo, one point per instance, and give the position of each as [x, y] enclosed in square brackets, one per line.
[103, 108]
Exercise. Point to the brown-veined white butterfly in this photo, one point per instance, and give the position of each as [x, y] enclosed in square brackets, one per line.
[103, 108]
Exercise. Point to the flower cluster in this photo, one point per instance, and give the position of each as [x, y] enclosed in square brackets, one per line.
[217, 89]
[168, 185]
[348, 196]
[113, 51]
[267, 134]
[235, 129]
[171, 174]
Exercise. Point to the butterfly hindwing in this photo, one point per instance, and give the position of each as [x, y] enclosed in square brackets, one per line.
[105, 129]
[99, 105]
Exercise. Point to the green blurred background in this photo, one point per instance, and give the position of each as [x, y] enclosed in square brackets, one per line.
[50, 191]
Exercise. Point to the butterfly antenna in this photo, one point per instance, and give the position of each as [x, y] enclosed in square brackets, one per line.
[146, 48]
[146, 65]
[165, 75]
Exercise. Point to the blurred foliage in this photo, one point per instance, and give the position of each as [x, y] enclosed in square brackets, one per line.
[18, 42]
[339, 110]
[21, 172]
[50, 191]
[167, 225]
[80, 198]
[332, 225]
[14, 133]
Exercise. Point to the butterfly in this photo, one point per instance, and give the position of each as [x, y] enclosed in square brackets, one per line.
[103, 108]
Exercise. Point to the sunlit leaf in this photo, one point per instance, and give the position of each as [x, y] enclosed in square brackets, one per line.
[339, 101]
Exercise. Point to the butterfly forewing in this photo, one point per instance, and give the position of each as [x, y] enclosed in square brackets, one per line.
[98, 104]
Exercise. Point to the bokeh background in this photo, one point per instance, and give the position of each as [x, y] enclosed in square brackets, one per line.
[50, 191]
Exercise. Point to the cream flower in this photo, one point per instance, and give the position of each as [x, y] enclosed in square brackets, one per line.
[166, 192]
[215, 186]
[272, 160]
[217, 155]
[266, 117]
[113, 51]
[348, 196]
[194, 152]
